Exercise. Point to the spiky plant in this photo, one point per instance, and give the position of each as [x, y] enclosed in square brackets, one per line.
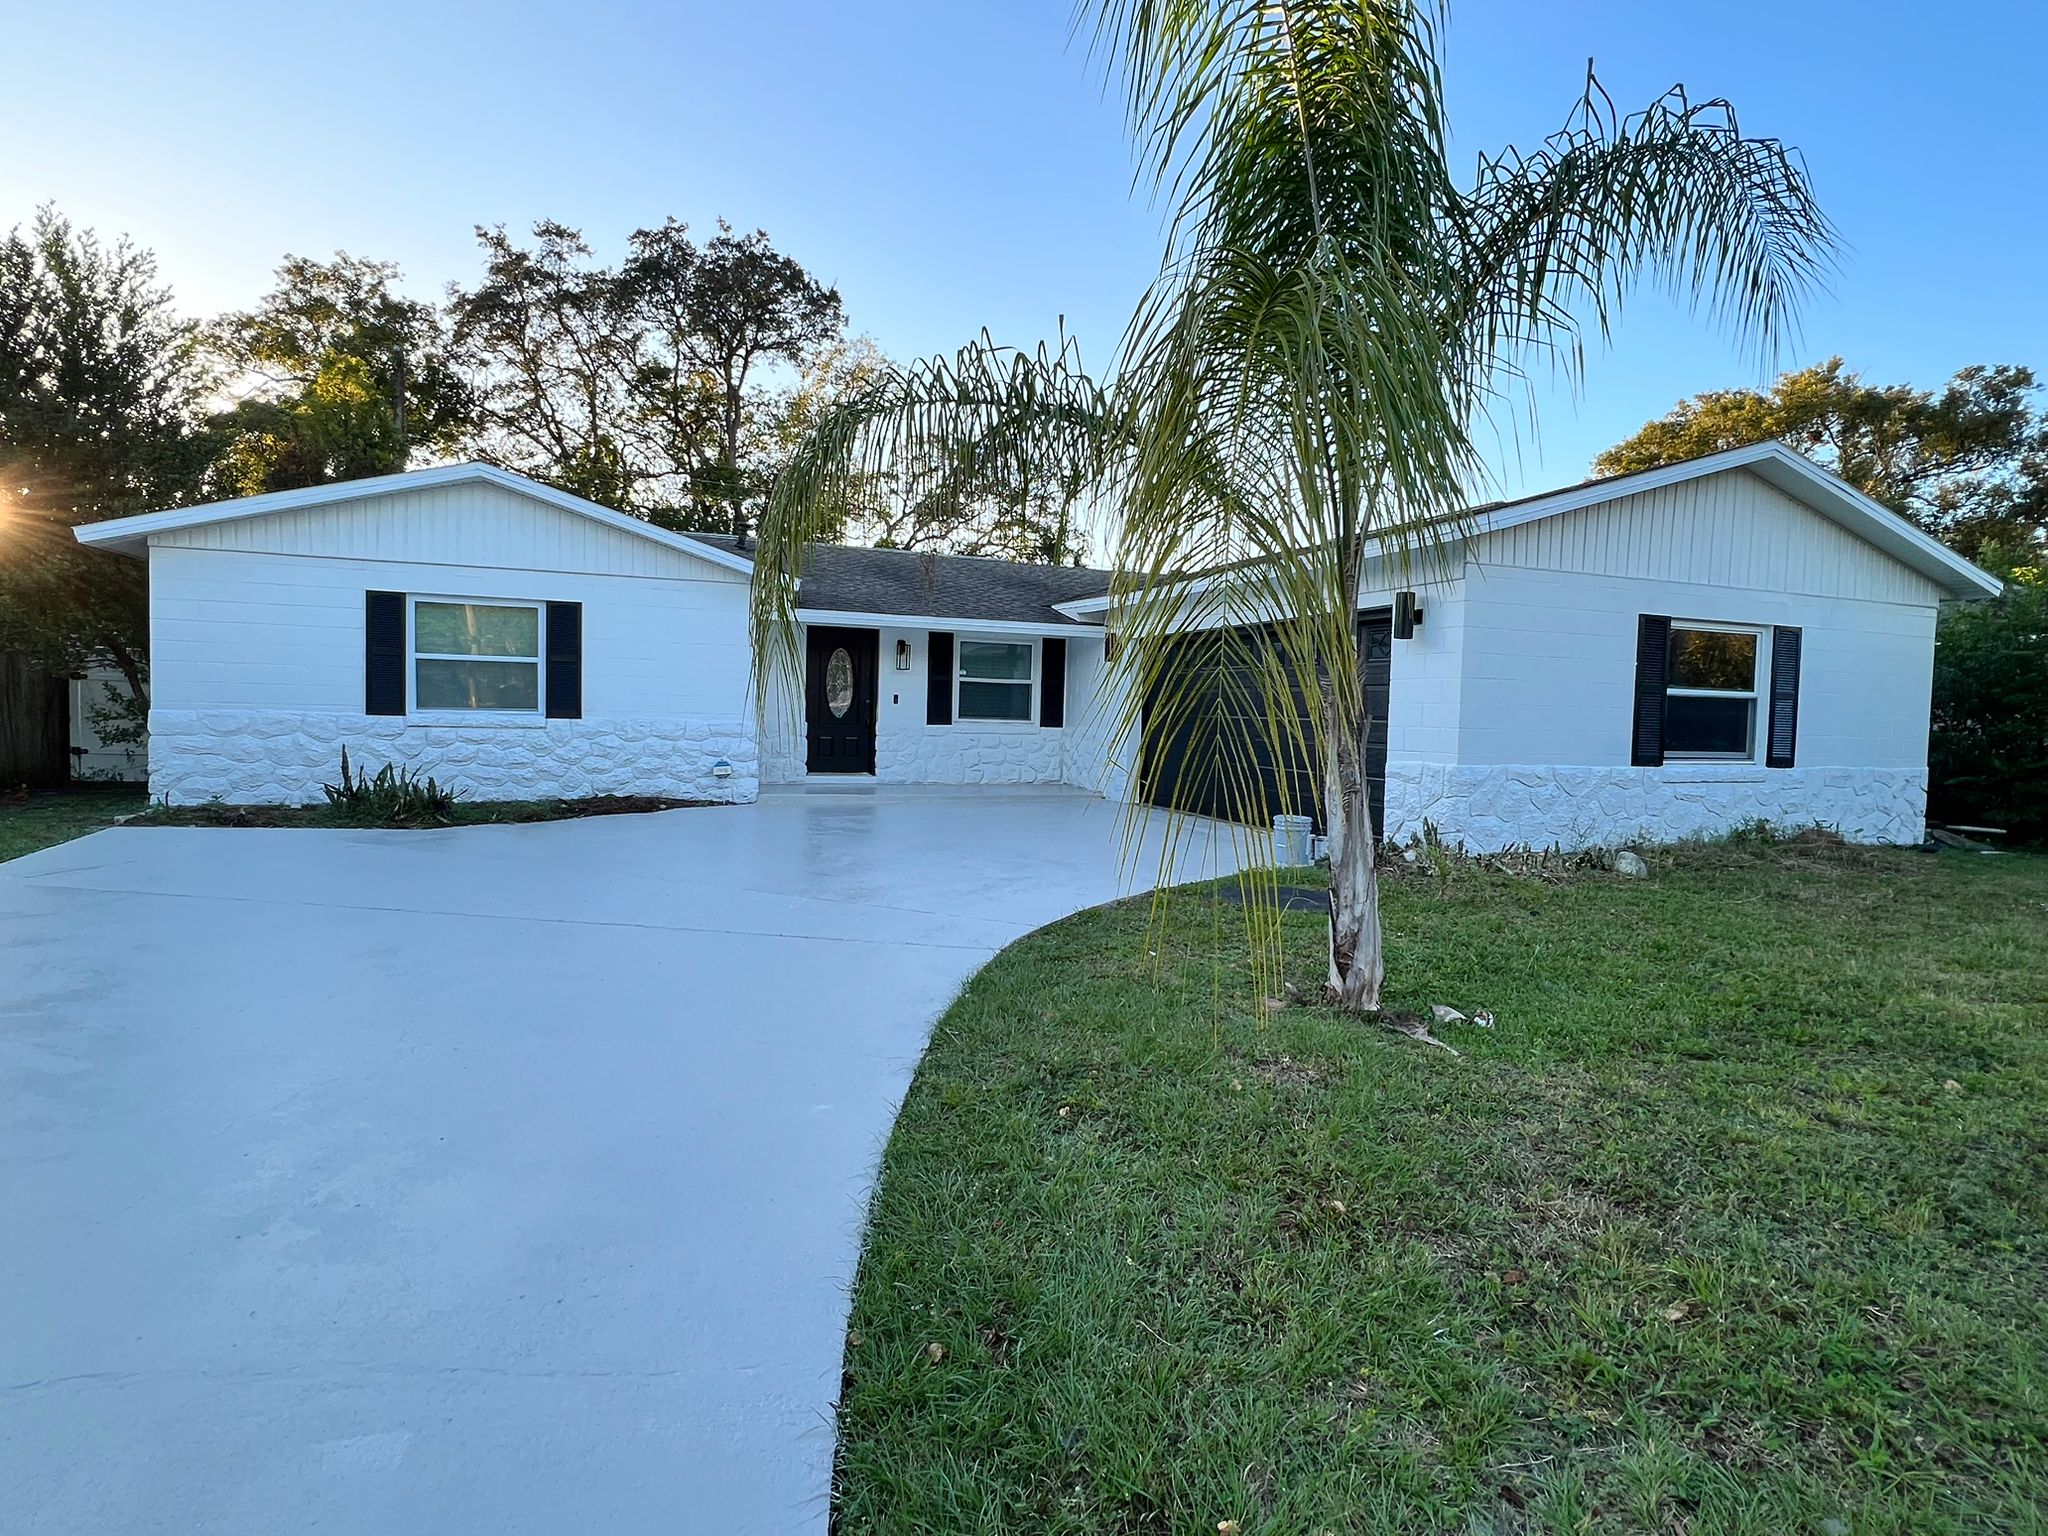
[1290, 421]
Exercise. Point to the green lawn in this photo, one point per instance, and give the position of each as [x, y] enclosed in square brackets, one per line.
[56, 816]
[1735, 1222]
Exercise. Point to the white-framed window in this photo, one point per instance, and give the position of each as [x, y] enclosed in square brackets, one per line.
[996, 680]
[473, 656]
[1710, 688]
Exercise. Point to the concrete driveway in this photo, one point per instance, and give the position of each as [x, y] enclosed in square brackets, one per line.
[502, 1179]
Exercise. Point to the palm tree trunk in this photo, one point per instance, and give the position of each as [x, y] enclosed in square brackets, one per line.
[1357, 965]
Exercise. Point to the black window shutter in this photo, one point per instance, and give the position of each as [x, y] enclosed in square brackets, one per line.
[1781, 742]
[938, 692]
[1052, 697]
[565, 661]
[1653, 662]
[383, 653]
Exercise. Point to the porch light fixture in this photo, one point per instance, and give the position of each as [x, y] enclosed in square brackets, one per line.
[1407, 615]
[902, 655]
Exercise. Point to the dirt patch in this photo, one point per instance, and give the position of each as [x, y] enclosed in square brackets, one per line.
[1292, 898]
[466, 813]
[1286, 1072]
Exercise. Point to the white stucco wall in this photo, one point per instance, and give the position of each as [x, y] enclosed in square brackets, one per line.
[1509, 714]
[257, 653]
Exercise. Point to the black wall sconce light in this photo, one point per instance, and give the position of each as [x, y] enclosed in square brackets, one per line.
[902, 655]
[1407, 615]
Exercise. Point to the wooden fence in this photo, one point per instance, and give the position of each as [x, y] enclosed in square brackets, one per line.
[35, 725]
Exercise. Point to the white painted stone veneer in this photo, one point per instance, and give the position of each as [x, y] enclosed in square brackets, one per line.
[967, 754]
[255, 757]
[1490, 807]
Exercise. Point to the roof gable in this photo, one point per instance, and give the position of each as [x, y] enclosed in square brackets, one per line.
[1732, 529]
[132, 535]
[1796, 476]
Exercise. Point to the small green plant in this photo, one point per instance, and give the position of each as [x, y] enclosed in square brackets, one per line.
[392, 796]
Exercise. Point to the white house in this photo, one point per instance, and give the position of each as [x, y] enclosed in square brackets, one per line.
[1738, 637]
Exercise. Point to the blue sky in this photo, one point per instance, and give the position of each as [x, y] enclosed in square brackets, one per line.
[954, 164]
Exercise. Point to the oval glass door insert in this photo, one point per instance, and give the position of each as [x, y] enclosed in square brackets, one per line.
[839, 683]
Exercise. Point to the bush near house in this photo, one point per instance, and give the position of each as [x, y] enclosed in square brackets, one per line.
[392, 796]
[1988, 753]
[1736, 1221]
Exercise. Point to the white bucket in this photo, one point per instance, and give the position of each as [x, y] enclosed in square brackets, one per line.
[1292, 837]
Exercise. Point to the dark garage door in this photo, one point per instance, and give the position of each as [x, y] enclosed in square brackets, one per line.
[1201, 768]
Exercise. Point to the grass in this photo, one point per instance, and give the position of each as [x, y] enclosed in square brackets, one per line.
[44, 818]
[1734, 1223]
[464, 813]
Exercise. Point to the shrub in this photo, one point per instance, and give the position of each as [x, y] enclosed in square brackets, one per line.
[1988, 756]
[396, 797]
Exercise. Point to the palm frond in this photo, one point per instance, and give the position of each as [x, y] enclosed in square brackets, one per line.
[987, 416]
[1552, 239]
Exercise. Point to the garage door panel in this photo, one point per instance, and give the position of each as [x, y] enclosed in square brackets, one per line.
[1221, 758]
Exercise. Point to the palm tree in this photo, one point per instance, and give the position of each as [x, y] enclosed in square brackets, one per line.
[1293, 408]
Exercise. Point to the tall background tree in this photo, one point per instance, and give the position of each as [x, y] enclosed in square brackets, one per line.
[1968, 464]
[1295, 396]
[1988, 750]
[339, 375]
[102, 389]
[660, 386]
[717, 318]
[552, 348]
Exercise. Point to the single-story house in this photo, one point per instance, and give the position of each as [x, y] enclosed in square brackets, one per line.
[1738, 637]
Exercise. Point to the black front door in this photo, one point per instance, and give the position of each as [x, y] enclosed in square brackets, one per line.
[839, 700]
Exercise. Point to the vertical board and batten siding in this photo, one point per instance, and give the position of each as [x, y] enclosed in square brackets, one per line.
[1727, 530]
[1552, 611]
[467, 524]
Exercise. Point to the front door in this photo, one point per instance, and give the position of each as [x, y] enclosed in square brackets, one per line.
[839, 699]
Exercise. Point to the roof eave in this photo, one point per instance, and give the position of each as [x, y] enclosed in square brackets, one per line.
[943, 621]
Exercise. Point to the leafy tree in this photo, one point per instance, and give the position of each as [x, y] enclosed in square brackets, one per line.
[100, 391]
[649, 386]
[714, 318]
[1968, 465]
[339, 426]
[1988, 752]
[333, 356]
[552, 344]
[1336, 310]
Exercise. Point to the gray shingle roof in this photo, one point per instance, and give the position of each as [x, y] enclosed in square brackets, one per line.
[913, 583]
